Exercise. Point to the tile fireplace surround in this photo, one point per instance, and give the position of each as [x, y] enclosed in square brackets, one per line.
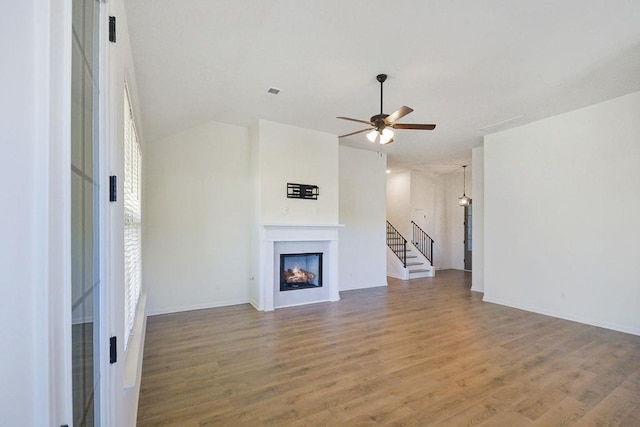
[278, 239]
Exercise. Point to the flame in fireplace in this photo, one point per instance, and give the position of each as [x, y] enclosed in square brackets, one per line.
[298, 275]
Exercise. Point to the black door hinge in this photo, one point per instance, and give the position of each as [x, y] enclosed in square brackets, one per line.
[113, 350]
[112, 29]
[113, 188]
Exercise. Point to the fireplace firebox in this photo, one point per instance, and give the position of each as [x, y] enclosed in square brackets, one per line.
[300, 271]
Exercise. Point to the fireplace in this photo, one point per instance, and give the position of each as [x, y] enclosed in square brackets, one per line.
[300, 271]
[300, 241]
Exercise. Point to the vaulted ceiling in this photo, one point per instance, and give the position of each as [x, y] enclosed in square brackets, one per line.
[471, 67]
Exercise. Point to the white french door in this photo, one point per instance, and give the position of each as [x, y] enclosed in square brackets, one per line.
[85, 218]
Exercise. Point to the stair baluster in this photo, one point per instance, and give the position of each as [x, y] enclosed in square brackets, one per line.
[397, 243]
[422, 241]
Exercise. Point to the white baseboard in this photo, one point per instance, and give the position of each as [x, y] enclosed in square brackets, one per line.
[255, 305]
[301, 304]
[356, 287]
[178, 309]
[565, 316]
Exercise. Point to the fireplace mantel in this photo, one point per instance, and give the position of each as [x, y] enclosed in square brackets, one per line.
[300, 227]
[321, 237]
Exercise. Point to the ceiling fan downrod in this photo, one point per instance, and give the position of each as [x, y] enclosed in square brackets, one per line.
[378, 119]
[381, 78]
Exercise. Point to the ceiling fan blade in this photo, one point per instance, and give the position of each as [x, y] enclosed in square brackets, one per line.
[356, 132]
[356, 120]
[412, 126]
[398, 114]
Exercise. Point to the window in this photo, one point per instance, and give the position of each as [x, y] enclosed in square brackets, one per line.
[132, 219]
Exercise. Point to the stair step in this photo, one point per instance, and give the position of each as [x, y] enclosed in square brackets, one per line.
[411, 264]
[408, 256]
[419, 270]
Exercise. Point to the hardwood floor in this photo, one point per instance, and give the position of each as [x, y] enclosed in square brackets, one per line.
[420, 352]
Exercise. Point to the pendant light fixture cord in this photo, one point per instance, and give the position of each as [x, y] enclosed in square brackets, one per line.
[464, 180]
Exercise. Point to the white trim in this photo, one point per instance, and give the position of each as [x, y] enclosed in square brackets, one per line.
[305, 303]
[579, 319]
[111, 258]
[106, 397]
[179, 309]
[135, 351]
[366, 286]
[56, 69]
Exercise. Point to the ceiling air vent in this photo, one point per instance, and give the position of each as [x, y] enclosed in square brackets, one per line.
[273, 91]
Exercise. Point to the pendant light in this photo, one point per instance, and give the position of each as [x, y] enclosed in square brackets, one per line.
[464, 200]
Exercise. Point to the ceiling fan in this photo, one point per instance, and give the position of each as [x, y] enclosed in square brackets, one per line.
[380, 123]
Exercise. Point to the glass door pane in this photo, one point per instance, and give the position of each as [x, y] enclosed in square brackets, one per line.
[84, 215]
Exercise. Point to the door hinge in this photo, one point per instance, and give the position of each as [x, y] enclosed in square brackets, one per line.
[113, 188]
[112, 29]
[113, 350]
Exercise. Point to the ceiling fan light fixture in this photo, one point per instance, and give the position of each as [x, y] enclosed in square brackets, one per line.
[386, 136]
[380, 122]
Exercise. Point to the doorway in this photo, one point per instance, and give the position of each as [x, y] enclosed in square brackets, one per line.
[420, 218]
[468, 225]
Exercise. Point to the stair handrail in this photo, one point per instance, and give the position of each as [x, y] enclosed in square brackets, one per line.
[397, 243]
[422, 241]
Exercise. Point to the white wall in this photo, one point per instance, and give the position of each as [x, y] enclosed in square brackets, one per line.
[24, 224]
[192, 209]
[198, 219]
[450, 252]
[362, 241]
[477, 238]
[424, 199]
[561, 215]
[399, 201]
[290, 154]
[254, 240]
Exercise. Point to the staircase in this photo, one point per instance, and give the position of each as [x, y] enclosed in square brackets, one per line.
[406, 260]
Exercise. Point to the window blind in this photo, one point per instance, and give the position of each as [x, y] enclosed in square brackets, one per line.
[132, 219]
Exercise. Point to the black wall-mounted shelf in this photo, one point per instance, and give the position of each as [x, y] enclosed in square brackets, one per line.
[302, 191]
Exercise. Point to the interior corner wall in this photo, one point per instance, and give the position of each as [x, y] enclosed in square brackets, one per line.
[449, 247]
[561, 218]
[424, 199]
[289, 154]
[477, 230]
[198, 219]
[27, 395]
[254, 240]
[399, 201]
[362, 242]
